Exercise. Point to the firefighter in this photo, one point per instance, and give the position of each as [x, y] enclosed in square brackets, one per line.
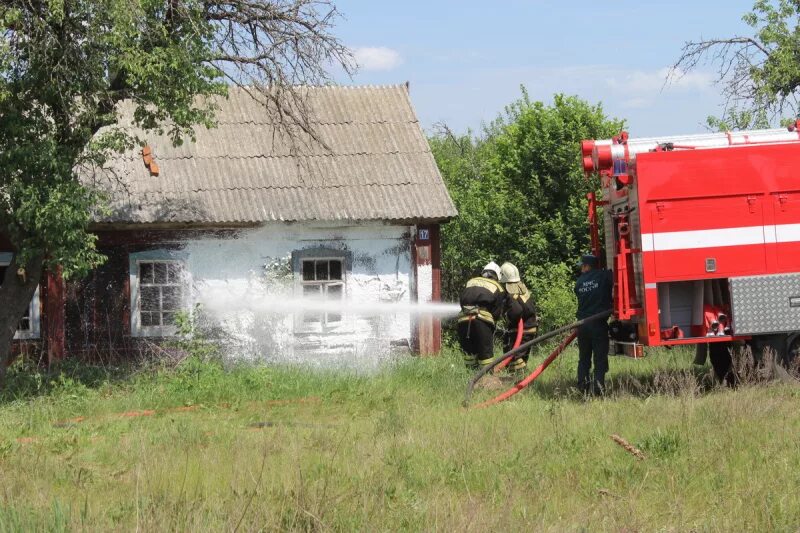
[482, 304]
[519, 305]
[593, 290]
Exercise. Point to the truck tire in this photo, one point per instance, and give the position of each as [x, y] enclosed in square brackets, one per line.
[790, 359]
[774, 343]
[721, 362]
[701, 354]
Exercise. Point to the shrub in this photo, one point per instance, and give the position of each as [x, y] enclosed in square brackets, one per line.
[521, 195]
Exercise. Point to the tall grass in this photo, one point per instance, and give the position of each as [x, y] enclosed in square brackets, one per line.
[254, 448]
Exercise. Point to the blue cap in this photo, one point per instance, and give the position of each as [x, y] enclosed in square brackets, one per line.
[589, 260]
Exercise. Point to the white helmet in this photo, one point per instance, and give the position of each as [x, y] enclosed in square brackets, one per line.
[509, 273]
[492, 267]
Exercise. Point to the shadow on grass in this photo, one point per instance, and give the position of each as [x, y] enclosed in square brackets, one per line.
[661, 382]
[745, 370]
[27, 379]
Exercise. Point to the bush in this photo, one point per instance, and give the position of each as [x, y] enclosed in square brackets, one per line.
[553, 291]
[521, 195]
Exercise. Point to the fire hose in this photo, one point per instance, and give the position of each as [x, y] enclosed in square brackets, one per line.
[519, 349]
[517, 342]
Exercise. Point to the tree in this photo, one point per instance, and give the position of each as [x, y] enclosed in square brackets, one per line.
[66, 64]
[521, 195]
[759, 73]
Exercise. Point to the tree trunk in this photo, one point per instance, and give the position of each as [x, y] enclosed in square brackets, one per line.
[15, 296]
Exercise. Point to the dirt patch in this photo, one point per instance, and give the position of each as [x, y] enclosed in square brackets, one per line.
[134, 414]
[184, 409]
[489, 382]
[309, 399]
[271, 424]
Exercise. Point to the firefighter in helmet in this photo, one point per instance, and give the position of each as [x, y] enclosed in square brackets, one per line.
[482, 303]
[520, 306]
[593, 290]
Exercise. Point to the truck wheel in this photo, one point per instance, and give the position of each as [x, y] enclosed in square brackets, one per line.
[701, 354]
[790, 358]
[721, 362]
[777, 344]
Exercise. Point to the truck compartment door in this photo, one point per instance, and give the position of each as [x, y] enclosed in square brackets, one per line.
[787, 230]
[706, 237]
[765, 304]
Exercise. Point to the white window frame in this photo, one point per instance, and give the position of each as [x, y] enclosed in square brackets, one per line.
[155, 256]
[34, 311]
[301, 325]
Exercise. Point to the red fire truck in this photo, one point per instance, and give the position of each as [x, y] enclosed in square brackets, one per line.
[703, 235]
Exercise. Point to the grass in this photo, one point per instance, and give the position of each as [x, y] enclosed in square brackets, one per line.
[283, 449]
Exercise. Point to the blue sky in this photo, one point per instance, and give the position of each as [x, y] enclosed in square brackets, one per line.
[466, 60]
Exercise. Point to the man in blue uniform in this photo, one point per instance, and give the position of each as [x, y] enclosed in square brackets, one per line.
[593, 290]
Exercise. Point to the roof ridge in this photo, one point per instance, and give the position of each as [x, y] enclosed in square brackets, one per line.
[303, 187]
[321, 123]
[265, 156]
[401, 85]
[312, 122]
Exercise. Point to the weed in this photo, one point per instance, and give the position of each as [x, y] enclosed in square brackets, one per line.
[395, 450]
[661, 444]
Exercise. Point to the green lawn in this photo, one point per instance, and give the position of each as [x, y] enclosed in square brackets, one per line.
[267, 448]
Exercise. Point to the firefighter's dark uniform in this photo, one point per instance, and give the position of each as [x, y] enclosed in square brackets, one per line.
[593, 290]
[519, 306]
[482, 303]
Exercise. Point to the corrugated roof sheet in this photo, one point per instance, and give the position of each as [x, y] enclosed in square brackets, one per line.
[375, 164]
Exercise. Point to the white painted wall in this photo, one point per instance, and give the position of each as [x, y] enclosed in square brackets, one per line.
[226, 271]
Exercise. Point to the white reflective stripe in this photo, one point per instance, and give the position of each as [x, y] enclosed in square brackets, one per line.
[647, 242]
[770, 234]
[717, 238]
[787, 232]
[687, 240]
[649, 286]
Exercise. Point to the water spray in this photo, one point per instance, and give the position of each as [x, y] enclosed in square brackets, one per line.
[224, 301]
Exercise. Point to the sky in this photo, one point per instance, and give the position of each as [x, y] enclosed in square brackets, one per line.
[465, 60]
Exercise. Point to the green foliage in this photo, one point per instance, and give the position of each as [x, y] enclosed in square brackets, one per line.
[63, 68]
[191, 340]
[661, 444]
[521, 195]
[68, 67]
[759, 73]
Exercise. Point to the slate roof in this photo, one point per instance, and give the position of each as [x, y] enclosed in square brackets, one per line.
[375, 164]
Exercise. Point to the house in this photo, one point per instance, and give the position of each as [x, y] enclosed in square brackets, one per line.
[250, 213]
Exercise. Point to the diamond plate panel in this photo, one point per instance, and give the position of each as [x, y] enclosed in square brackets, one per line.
[765, 304]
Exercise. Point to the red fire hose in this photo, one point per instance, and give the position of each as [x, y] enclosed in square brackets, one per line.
[571, 328]
[532, 376]
[517, 342]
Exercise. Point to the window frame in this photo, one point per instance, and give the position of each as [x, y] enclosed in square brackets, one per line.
[34, 309]
[325, 322]
[156, 256]
[301, 326]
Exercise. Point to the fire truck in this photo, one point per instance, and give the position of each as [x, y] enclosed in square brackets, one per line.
[702, 233]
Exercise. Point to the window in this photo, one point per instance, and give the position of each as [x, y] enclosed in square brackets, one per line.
[158, 292]
[28, 327]
[323, 280]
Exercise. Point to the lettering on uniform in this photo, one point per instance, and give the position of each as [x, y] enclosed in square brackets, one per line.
[588, 286]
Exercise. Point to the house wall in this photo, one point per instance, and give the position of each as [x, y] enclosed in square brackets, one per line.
[248, 283]
[227, 273]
